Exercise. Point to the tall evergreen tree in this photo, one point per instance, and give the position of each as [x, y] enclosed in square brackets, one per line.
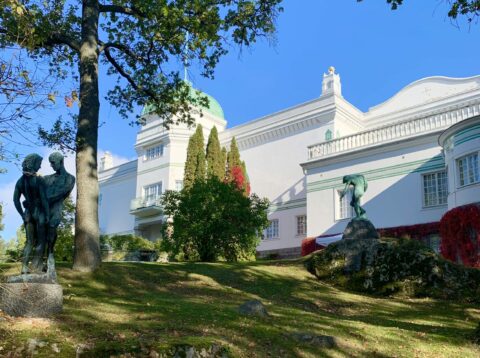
[195, 163]
[233, 160]
[247, 179]
[215, 164]
[201, 164]
[224, 162]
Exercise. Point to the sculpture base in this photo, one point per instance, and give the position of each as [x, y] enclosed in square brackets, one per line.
[360, 229]
[31, 299]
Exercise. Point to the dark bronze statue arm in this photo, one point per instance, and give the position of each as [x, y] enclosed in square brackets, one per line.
[16, 198]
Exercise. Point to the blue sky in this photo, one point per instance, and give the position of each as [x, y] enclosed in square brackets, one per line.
[375, 50]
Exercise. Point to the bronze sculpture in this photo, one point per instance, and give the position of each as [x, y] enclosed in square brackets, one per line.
[360, 186]
[43, 205]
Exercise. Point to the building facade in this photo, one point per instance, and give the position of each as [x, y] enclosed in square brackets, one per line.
[297, 158]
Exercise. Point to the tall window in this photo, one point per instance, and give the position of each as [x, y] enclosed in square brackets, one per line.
[154, 152]
[435, 188]
[302, 225]
[271, 232]
[344, 210]
[468, 172]
[152, 192]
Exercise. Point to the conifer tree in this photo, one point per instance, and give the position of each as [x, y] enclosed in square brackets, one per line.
[200, 164]
[195, 163]
[233, 160]
[224, 162]
[246, 187]
[215, 164]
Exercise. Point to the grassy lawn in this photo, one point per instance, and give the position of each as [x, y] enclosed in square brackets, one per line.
[138, 308]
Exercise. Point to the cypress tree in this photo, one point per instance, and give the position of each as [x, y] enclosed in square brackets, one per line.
[200, 165]
[215, 166]
[233, 159]
[195, 163]
[190, 163]
[224, 163]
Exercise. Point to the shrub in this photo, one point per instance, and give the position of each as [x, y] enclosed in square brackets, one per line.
[310, 245]
[213, 220]
[126, 243]
[460, 232]
[417, 232]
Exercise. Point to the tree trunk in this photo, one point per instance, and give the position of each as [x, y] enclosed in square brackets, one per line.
[87, 248]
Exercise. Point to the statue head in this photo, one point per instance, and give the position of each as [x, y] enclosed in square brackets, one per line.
[56, 160]
[32, 163]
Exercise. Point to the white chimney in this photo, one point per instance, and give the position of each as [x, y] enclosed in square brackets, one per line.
[106, 162]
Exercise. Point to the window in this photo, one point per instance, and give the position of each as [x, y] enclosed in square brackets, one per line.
[344, 211]
[271, 232]
[178, 185]
[302, 225]
[154, 152]
[151, 193]
[328, 135]
[435, 189]
[468, 172]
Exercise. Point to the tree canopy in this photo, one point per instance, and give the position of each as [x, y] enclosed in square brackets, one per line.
[139, 41]
[214, 220]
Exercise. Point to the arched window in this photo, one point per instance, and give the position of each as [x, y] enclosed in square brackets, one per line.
[328, 135]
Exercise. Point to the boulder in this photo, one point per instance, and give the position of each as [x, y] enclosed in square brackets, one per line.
[253, 308]
[31, 299]
[316, 340]
[360, 229]
[394, 267]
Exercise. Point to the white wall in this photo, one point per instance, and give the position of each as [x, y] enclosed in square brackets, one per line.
[395, 186]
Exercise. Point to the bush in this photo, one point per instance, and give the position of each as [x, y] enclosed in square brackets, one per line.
[213, 220]
[460, 232]
[126, 243]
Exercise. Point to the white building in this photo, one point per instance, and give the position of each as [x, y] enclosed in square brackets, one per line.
[297, 158]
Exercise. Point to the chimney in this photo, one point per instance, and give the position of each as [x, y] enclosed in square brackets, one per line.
[106, 162]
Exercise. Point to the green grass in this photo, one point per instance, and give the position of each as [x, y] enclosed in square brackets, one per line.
[139, 307]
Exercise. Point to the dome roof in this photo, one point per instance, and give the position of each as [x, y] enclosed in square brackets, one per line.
[213, 108]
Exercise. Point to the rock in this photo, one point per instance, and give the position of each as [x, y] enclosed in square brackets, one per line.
[394, 267]
[31, 299]
[360, 229]
[33, 344]
[33, 278]
[253, 308]
[319, 341]
[186, 351]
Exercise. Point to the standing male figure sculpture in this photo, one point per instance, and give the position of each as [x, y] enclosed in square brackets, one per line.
[359, 188]
[36, 214]
[59, 186]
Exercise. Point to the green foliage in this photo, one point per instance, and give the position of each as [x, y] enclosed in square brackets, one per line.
[214, 220]
[233, 160]
[14, 250]
[126, 243]
[65, 236]
[215, 162]
[1, 218]
[195, 165]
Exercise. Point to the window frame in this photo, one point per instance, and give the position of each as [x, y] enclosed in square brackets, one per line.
[273, 237]
[297, 226]
[156, 153]
[152, 199]
[338, 204]
[437, 196]
[476, 174]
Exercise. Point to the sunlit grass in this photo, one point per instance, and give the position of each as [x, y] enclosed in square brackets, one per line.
[136, 308]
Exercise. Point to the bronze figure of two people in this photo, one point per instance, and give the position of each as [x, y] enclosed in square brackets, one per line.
[41, 209]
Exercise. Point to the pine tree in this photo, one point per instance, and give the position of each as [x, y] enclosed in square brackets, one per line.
[215, 165]
[233, 160]
[246, 187]
[224, 162]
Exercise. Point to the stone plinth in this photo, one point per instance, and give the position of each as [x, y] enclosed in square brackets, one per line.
[360, 229]
[31, 299]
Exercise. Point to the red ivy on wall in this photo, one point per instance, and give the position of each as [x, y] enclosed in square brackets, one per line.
[460, 232]
[417, 232]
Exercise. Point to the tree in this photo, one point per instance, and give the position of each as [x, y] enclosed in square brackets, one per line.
[214, 219]
[215, 162]
[468, 8]
[65, 236]
[1, 218]
[195, 163]
[233, 159]
[141, 42]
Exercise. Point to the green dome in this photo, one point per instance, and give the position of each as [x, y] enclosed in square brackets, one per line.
[213, 108]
